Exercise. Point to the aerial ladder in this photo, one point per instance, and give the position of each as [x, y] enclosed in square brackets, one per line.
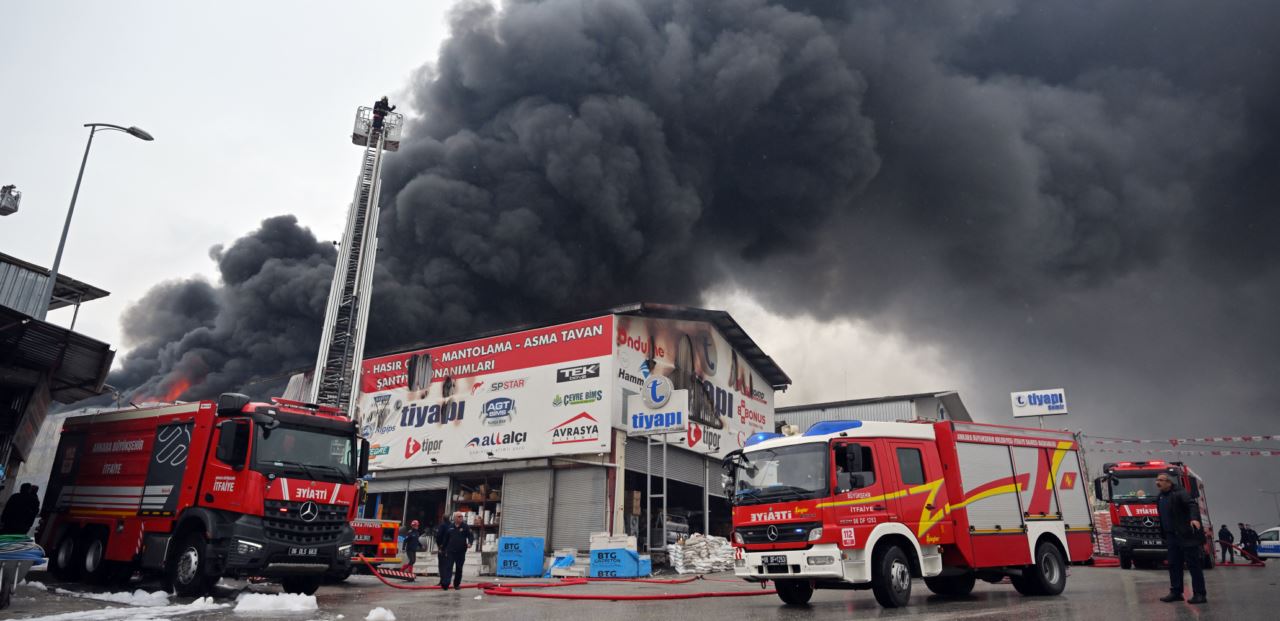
[335, 379]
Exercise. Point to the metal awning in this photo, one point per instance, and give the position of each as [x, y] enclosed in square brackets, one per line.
[29, 347]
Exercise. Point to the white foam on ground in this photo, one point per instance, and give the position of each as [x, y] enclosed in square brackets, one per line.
[155, 613]
[34, 584]
[275, 602]
[380, 614]
[136, 598]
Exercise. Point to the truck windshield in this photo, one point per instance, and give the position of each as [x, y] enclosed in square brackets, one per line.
[1137, 487]
[304, 453]
[778, 474]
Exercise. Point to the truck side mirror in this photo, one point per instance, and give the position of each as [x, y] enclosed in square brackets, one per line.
[231, 403]
[1097, 489]
[364, 457]
[853, 457]
[233, 443]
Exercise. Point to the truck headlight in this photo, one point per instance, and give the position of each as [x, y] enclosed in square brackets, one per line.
[247, 547]
[344, 551]
[815, 534]
[821, 560]
[737, 538]
[1120, 540]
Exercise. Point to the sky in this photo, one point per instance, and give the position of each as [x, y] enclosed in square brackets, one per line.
[890, 197]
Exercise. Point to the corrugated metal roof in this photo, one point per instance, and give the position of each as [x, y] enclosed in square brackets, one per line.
[22, 285]
[79, 364]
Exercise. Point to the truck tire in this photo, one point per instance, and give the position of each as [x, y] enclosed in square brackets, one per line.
[1046, 576]
[188, 566]
[952, 586]
[66, 561]
[94, 565]
[891, 577]
[794, 592]
[339, 577]
[1126, 561]
[305, 585]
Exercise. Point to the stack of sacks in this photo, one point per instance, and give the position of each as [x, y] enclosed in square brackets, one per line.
[700, 554]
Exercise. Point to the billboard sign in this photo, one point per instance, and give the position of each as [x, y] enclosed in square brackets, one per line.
[1039, 402]
[727, 399]
[534, 393]
[670, 417]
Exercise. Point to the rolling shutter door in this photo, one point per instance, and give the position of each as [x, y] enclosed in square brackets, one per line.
[426, 483]
[987, 473]
[685, 466]
[579, 507]
[384, 486]
[526, 498]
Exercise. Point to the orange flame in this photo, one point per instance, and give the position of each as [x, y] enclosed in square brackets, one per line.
[176, 389]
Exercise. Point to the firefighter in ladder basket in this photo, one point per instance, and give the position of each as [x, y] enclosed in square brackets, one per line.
[380, 110]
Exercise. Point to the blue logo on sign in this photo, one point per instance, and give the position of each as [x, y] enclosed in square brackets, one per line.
[657, 397]
[498, 411]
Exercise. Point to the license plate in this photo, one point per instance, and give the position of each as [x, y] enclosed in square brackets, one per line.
[303, 551]
[774, 559]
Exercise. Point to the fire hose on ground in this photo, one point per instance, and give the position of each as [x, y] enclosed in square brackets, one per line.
[515, 590]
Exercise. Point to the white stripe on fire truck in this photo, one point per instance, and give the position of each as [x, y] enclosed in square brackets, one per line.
[105, 490]
[284, 483]
[333, 498]
[159, 489]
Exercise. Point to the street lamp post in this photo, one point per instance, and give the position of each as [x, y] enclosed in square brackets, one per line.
[1275, 496]
[57, 258]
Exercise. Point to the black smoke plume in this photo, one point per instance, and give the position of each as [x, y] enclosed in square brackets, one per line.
[1077, 193]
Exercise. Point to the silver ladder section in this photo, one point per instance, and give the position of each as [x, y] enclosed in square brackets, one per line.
[347, 313]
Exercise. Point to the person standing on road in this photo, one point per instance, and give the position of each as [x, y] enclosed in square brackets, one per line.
[21, 511]
[1249, 539]
[453, 540]
[1183, 538]
[412, 544]
[1225, 539]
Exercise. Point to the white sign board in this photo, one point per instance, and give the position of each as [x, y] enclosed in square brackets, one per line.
[728, 400]
[1039, 402]
[526, 394]
[643, 420]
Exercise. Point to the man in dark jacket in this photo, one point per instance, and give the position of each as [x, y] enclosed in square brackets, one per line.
[21, 511]
[1249, 539]
[453, 541]
[1225, 539]
[1183, 538]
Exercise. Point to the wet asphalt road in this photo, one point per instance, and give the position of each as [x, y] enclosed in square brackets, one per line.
[1092, 593]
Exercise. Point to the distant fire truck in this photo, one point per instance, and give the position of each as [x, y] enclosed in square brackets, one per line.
[852, 504]
[377, 541]
[1129, 489]
[201, 490]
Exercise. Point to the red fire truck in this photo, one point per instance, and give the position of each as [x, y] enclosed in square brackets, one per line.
[205, 489]
[871, 505]
[1129, 489]
[378, 541]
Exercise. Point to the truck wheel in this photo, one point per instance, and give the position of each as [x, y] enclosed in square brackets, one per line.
[339, 577]
[305, 585]
[1126, 561]
[952, 586]
[794, 592]
[1048, 576]
[66, 563]
[188, 567]
[94, 564]
[891, 577]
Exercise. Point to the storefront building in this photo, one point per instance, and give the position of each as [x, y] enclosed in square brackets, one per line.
[529, 432]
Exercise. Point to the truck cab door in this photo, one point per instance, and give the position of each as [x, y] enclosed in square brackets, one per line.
[859, 491]
[917, 470]
[225, 481]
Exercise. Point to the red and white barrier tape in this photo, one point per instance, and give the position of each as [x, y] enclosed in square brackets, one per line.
[1209, 453]
[1177, 441]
